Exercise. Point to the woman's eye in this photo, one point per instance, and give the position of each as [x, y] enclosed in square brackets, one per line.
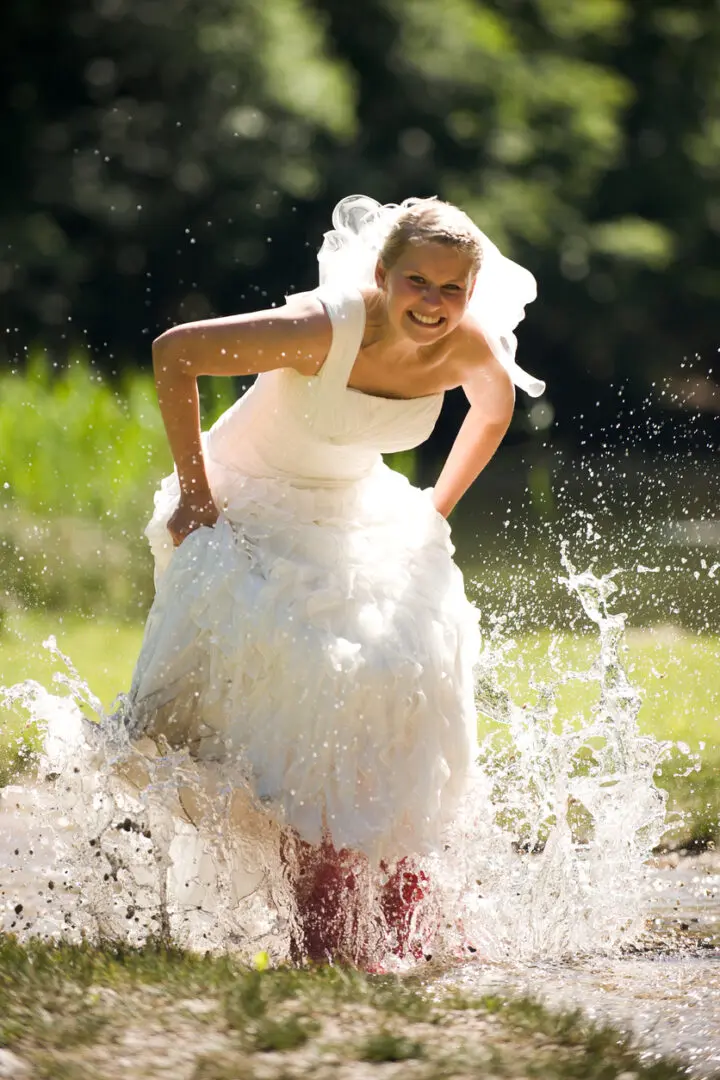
[417, 280]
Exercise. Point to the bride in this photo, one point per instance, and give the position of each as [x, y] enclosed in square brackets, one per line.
[309, 622]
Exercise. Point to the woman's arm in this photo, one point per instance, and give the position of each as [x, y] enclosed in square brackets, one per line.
[296, 336]
[491, 394]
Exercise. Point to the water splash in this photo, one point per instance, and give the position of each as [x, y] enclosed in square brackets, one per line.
[120, 839]
[576, 811]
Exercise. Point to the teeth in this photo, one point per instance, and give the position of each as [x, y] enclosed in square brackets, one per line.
[428, 320]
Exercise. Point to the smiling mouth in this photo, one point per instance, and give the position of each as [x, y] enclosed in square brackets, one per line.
[426, 320]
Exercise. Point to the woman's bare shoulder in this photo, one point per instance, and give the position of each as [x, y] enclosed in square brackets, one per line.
[304, 305]
[478, 369]
[469, 347]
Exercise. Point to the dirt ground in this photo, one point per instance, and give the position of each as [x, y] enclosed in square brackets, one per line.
[83, 1014]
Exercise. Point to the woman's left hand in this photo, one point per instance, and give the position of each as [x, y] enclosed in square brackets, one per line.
[190, 514]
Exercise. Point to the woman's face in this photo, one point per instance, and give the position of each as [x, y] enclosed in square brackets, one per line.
[427, 290]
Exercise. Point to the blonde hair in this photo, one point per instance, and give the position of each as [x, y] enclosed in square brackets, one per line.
[432, 221]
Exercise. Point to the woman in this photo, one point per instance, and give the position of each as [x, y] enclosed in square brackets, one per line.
[311, 622]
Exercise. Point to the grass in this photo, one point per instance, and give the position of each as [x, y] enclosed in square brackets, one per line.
[675, 671]
[108, 433]
[102, 650]
[77, 1011]
[81, 456]
[385, 1045]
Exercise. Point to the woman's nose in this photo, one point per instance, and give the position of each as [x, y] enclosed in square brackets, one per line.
[433, 296]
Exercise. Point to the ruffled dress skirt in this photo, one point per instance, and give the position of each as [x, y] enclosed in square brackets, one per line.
[321, 640]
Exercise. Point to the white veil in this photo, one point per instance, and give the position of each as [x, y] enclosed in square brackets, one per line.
[350, 252]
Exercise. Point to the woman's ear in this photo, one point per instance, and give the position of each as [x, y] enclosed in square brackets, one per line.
[380, 274]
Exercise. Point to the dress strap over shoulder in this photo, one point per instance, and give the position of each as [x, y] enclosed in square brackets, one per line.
[346, 309]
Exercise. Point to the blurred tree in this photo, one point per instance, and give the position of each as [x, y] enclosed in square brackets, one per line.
[654, 234]
[151, 148]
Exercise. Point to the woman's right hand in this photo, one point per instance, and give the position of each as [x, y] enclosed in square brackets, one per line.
[191, 513]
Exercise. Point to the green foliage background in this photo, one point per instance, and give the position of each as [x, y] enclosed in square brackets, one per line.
[85, 454]
[167, 159]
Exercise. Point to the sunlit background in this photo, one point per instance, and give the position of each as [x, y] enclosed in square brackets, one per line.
[174, 159]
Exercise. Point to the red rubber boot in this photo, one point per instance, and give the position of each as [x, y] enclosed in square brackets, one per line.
[399, 900]
[326, 896]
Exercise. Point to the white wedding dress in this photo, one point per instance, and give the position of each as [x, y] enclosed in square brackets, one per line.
[319, 635]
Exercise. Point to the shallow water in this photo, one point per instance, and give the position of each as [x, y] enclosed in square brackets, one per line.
[557, 820]
[665, 992]
[546, 878]
[669, 1004]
